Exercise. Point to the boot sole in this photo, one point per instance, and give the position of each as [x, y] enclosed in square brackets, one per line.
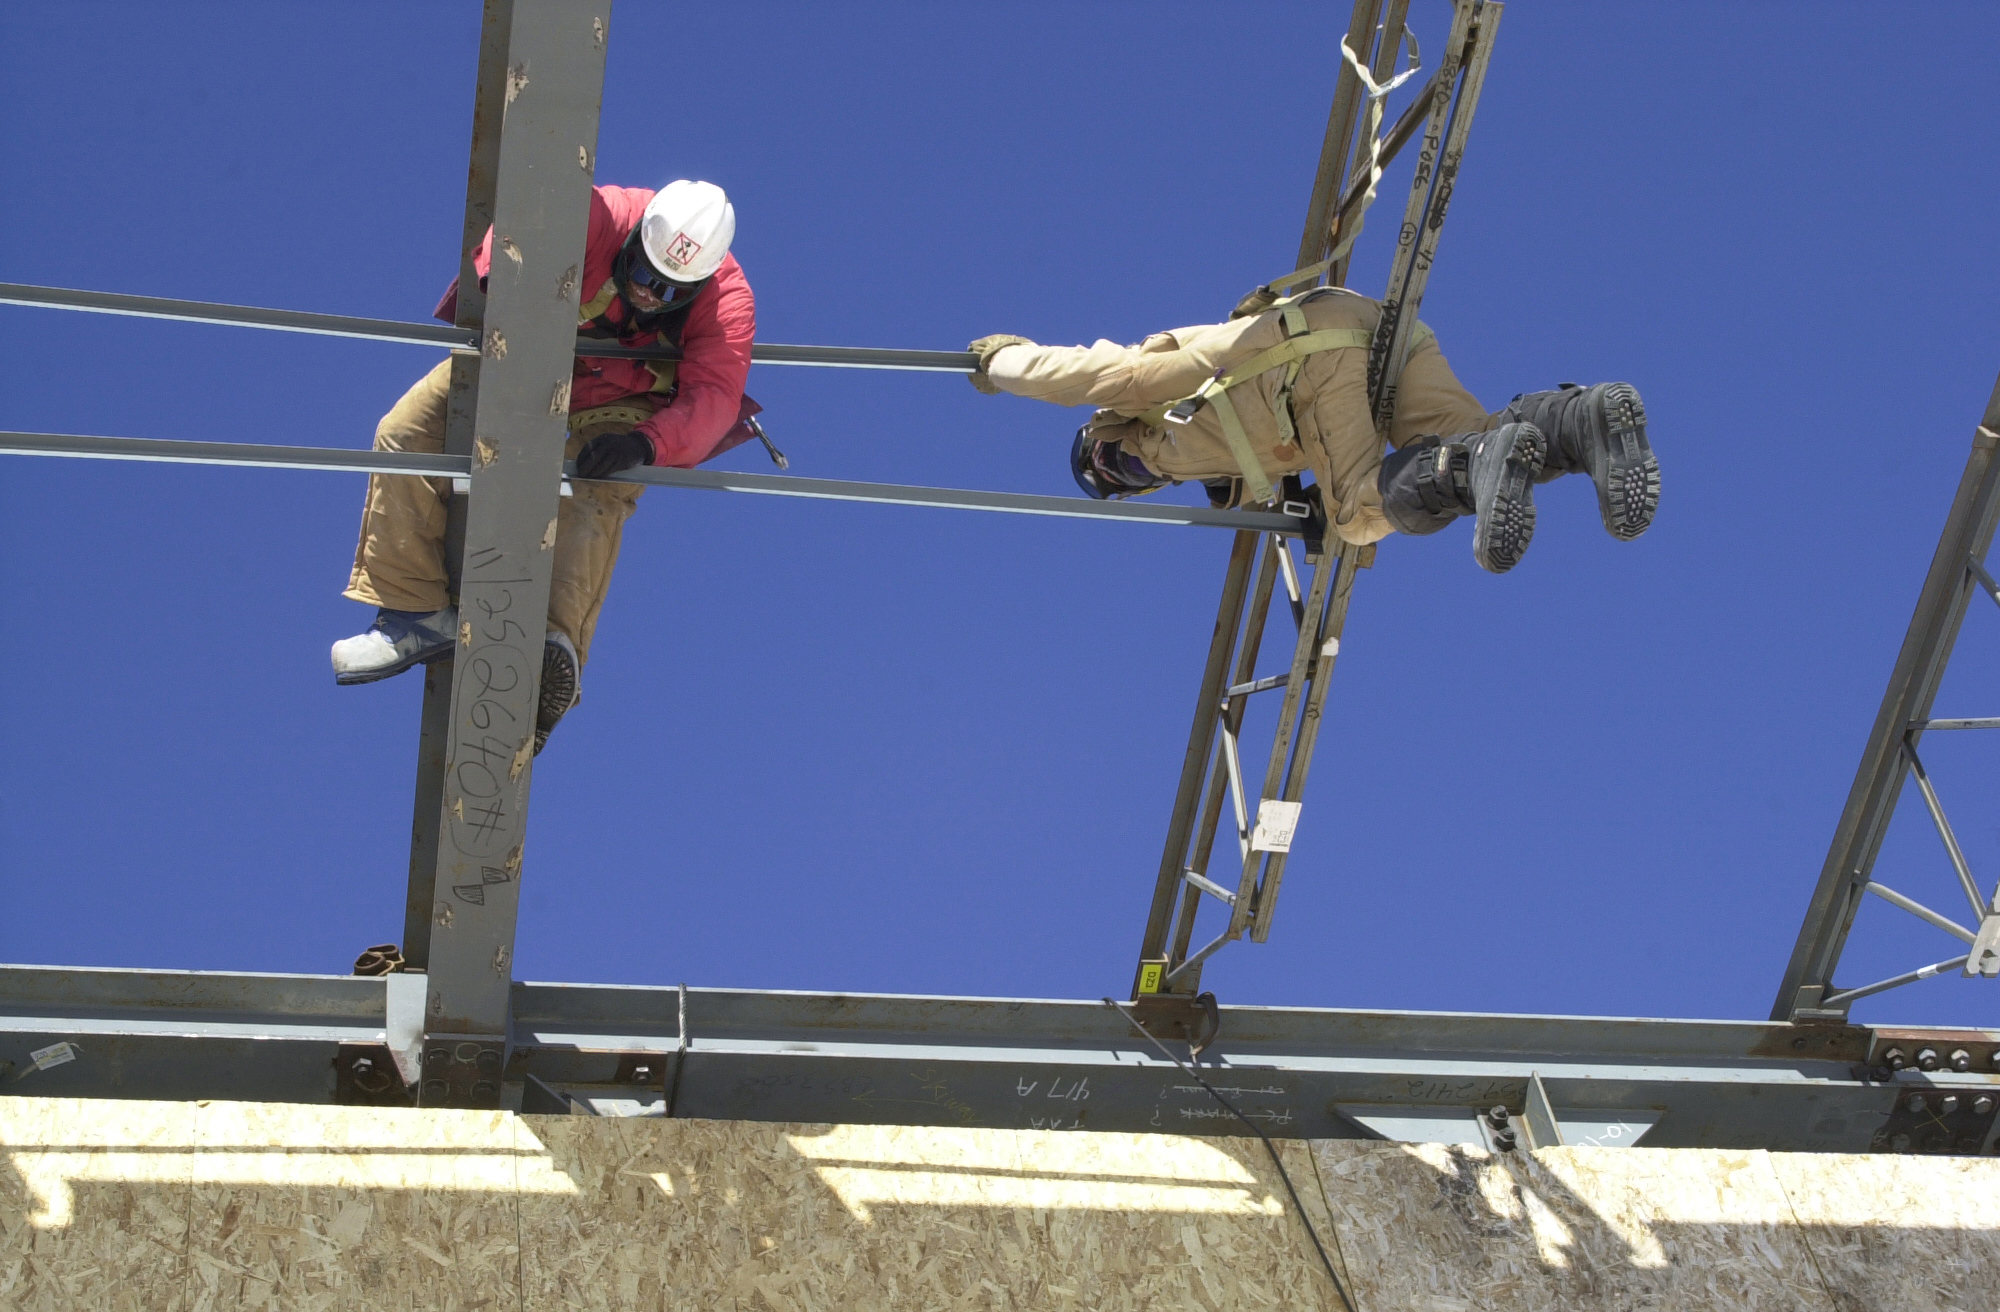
[1628, 474]
[391, 671]
[559, 680]
[1506, 512]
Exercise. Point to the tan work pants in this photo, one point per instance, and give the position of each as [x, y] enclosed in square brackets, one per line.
[399, 561]
[1335, 429]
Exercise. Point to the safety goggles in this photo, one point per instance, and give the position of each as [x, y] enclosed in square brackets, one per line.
[639, 273]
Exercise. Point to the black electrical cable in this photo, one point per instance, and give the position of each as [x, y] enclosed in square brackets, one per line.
[1269, 1147]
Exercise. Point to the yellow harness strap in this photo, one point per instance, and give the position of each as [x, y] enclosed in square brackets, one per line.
[665, 372]
[597, 304]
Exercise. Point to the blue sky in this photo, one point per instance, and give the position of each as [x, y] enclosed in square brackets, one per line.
[828, 746]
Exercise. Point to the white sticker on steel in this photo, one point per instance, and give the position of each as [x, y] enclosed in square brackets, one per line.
[1276, 823]
[53, 1055]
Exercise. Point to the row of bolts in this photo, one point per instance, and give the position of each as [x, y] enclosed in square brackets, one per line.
[1928, 1060]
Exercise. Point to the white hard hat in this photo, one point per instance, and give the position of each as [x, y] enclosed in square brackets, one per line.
[686, 230]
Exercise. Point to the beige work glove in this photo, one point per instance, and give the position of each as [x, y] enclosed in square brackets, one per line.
[1255, 303]
[984, 349]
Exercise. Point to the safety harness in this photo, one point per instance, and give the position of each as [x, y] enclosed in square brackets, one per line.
[593, 320]
[1290, 355]
[1300, 341]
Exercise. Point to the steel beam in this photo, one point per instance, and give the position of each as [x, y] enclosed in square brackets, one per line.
[489, 112]
[1467, 51]
[713, 480]
[1347, 91]
[1017, 503]
[457, 337]
[1906, 707]
[548, 145]
[338, 459]
[995, 1062]
[1195, 763]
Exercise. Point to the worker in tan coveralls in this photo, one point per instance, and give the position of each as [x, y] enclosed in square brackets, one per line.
[1284, 389]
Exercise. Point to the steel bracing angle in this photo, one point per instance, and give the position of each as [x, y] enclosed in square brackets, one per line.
[1891, 761]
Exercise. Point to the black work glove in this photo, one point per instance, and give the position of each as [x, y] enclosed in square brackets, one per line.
[613, 453]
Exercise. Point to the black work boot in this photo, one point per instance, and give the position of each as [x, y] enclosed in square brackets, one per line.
[1433, 481]
[1599, 431]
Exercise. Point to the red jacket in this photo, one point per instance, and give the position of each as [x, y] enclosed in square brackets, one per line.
[706, 415]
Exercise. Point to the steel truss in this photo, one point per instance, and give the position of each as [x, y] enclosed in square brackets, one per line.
[1957, 572]
[455, 1029]
[1167, 982]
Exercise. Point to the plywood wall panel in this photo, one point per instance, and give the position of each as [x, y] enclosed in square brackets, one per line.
[1899, 1232]
[317, 1208]
[200, 1208]
[1448, 1229]
[94, 1200]
[874, 1218]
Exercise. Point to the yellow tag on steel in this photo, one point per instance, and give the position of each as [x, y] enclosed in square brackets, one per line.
[1150, 975]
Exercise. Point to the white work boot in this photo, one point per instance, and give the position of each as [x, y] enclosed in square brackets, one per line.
[396, 640]
[562, 686]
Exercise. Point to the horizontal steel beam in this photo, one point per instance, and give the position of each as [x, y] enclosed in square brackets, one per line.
[445, 335]
[1008, 1063]
[830, 489]
[154, 449]
[1016, 503]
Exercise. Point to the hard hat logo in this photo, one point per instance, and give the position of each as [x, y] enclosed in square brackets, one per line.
[686, 230]
[682, 250]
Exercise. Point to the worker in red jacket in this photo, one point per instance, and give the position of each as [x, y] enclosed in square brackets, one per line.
[656, 270]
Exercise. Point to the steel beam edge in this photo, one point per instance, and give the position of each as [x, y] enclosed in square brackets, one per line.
[995, 1062]
[398, 332]
[459, 466]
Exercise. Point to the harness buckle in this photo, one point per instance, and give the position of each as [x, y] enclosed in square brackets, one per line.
[1187, 408]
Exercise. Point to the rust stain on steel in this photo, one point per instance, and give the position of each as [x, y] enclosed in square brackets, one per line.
[1813, 1043]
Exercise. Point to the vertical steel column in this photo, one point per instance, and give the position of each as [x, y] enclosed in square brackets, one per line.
[548, 145]
[489, 103]
[1339, 135]
[1343, 562]
[1232, 712]
[1466, 50]
[1920, 666]
[1194, 766]
[1387, 44]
